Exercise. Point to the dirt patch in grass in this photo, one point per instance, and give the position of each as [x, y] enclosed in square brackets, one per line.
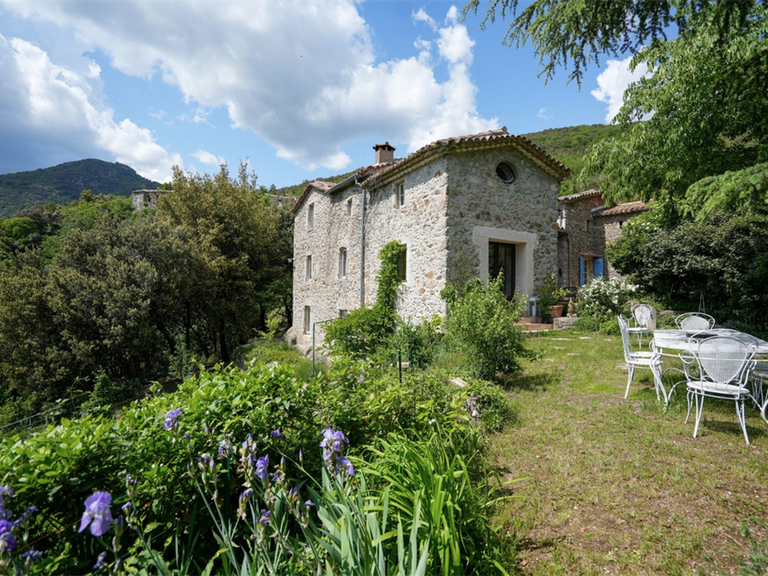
[619, 486]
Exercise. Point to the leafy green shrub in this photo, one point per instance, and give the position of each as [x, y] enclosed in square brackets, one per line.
[364, 332]
[416, 343]
[360, 334]
[724, 258]
[494, 406]
[481, 323]
[603, 299]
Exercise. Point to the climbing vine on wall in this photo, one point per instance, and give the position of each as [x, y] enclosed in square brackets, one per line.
[363, 331]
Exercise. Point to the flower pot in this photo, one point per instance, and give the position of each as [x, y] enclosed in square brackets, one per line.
[557, 311]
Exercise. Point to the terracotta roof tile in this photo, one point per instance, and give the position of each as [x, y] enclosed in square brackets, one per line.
[626, 208]
[579, 196]
[321, 185]
[458, 143]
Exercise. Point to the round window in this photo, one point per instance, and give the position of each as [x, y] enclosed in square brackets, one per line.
[505, 172]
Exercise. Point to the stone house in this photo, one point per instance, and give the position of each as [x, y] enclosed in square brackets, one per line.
[585, 227]
[141, 199]
[468, 205]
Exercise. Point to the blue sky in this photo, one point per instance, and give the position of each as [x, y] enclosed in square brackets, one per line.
[301, 89]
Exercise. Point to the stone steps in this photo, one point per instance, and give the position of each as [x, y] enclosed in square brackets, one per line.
[528, 325]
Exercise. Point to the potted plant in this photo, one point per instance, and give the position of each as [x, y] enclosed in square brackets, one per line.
[550, 295]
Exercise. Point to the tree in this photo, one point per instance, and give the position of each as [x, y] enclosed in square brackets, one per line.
[724, 258]
[574, 34]
[33, 360]
[705, 113]
[702, 104]
[241, 249]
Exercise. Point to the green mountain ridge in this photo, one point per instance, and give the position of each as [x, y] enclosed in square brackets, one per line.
[63, 183]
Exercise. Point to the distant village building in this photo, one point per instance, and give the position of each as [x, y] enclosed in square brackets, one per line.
[466, 206]
[282, 201]
[142, 199]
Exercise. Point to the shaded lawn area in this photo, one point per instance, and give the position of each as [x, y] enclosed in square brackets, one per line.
[620, 486]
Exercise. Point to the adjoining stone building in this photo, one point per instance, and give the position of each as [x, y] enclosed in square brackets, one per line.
[469, 205]
[585, 227]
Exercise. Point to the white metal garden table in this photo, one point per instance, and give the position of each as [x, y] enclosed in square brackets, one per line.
[673, 344]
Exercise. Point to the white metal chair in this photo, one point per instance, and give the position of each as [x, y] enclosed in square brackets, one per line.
[641, 359]
[724, 363]
[695, 321]
[643, 321]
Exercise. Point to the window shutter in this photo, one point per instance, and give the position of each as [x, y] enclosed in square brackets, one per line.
[598, 267]
[582, 271]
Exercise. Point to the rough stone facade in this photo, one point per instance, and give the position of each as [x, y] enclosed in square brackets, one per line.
[141, 199]
[586, 227]
[445, 203]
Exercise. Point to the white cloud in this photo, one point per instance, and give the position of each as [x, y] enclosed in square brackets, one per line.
[422, 16]
[613, 81]
[302, 76]
[54, 113]
[208, 158]
[544, 114]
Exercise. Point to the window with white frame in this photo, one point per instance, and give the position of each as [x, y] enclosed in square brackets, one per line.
[349, 207]
[307, 320]
[309, 268]
[311, 216]
[342, 262]
[400, 195]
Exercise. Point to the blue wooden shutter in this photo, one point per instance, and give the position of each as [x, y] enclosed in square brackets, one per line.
[582, 271]
[598, 267]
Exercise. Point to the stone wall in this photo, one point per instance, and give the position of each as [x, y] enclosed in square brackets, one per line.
[453, 205]
[327, 293]
[483, 208]
[612, 227]
[586, 234]
[420, 224]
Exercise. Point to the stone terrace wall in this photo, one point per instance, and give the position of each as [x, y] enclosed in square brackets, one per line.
[481, 207]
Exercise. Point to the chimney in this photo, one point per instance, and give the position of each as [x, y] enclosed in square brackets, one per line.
[384, 153]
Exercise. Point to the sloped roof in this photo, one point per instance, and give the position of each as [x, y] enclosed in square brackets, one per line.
[483, 140]
[626, 208]
[321, 185]
[579, 196]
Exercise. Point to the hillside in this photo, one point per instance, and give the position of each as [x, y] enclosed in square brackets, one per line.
[568, 145]
[63, 183]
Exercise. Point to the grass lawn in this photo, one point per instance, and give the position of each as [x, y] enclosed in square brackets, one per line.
[619, 486]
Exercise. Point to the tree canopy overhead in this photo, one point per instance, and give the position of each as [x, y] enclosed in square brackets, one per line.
[701, 110]
[575, 33]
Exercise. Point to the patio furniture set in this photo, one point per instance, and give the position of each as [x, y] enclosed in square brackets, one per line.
[717, 363]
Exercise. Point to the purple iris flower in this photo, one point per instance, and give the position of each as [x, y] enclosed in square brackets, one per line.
[32, 555]
[341, 461]
[7, 540]
[277, 434]
[309, 504]
[97, 513]
[225, 448]
[264, 520]
[100, 561]
[171, 419]
[261, 467]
